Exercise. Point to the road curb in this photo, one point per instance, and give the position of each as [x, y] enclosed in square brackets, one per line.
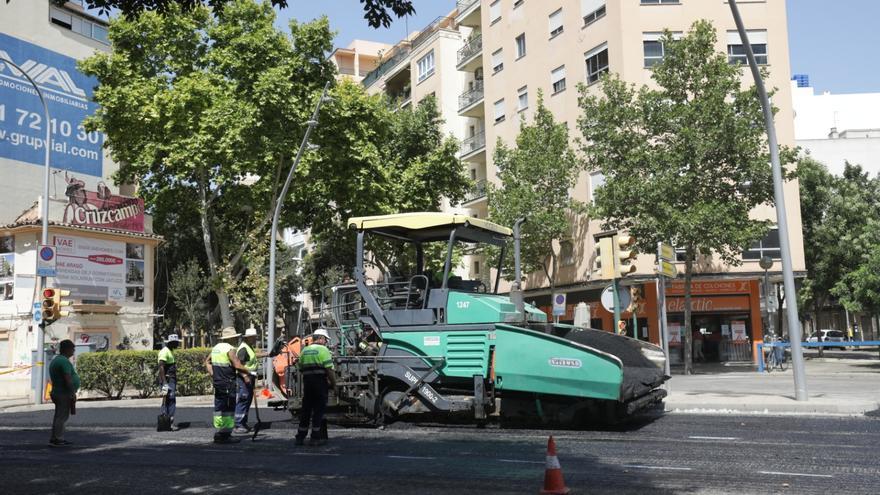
[812, 408]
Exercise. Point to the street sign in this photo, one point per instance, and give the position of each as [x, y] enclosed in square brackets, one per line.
[608, 298]
[46, 261]
[558, 304]
[667, 269]
[665, 251]
[38, 313]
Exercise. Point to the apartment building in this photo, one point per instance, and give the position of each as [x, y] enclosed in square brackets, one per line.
[508, 50]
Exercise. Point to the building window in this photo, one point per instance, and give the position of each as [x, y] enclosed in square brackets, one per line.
[521, 46]
[597, 180]
[476, 268]
[7, 267]
[499, 111]
[654, 49]
[658, 2]
[426, 66]
[556, 23]
[768, 246]
[566, 253]
[522, 98]
[495, 11]
[517, 3]
[597, 63]
[557, 79]
[592, 10]
[78, 25]
[134, 272]
[473, 174]
[497, 61]
[736, 52]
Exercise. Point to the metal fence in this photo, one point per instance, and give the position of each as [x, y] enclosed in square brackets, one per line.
[476, 192]
[473, 143]
[470, 48]
[471, 96]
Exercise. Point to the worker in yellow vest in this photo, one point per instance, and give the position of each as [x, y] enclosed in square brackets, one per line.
[245, 382]
[316, 364]
[168, 379]
[222, 365]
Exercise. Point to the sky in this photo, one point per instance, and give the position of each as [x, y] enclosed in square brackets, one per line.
[834, 42]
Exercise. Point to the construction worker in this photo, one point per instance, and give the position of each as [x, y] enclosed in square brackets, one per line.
[250, 359]
[168, 376]
[316, 364]
[222, 365]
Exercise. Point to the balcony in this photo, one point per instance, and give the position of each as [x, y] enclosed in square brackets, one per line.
[400, 99]
[400, 54]
[476, 193]
[473, 144]
[469, 99]
[468, 13]
[469, 55]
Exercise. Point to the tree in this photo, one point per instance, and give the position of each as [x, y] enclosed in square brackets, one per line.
[189, 288]
[536, 178]
[685, 162]
[385, 161]
[205, 111]
[375, 11]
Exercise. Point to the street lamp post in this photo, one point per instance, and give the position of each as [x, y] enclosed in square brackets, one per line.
[36, 357]
[794, 325]
[270, 323]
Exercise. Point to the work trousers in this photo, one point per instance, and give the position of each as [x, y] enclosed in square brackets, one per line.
[224, 410]
[243, 401]
[169, 405]
[315, 391]
[62, 414]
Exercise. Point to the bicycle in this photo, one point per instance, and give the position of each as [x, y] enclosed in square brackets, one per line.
[776, 358]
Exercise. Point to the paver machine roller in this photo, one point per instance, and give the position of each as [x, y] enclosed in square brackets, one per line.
[426, 346]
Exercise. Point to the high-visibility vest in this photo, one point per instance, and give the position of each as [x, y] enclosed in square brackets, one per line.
[315, 359]
[251, 362]
[224, 373]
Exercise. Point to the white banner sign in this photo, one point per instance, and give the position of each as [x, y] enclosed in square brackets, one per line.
[91, 268]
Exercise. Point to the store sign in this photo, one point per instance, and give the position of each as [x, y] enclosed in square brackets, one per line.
[68, 95]
[709, 304]
[101, 208]
[710, 287]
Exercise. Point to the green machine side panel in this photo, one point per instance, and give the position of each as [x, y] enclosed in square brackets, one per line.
[469, 308]
[530, 361]
[466, 351]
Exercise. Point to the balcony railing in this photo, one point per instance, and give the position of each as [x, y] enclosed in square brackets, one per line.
[401, 98]
[400, 53]
[471, 96]
[476, 192]
[470, 49]
[465, 4]
[473, 143]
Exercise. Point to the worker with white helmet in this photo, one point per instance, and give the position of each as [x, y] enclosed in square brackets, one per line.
[250, 359]
[316, 364]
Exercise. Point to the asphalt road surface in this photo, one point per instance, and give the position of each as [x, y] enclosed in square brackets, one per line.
[118, 451]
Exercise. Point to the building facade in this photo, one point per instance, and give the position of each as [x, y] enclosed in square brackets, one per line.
[508, 50]
[104, 241]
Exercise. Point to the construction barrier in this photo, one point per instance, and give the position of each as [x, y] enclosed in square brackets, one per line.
[814, 345]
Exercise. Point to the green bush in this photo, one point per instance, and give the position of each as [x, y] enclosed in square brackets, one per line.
[112, 372]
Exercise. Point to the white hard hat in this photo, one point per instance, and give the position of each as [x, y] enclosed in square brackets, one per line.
[172, 338]
[250, 332]
[321, 333]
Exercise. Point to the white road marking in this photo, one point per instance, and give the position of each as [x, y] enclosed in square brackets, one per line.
[409, 457]
[520, 462]
[698, 437]
[660, 468]
[796, 474]
[327, 454]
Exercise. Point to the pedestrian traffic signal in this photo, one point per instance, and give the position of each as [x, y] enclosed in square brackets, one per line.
[52, 304]
[624, 255]
[604, 264]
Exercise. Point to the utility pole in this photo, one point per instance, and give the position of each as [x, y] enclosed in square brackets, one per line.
[279, 203]
[794, 325]
[38, 356]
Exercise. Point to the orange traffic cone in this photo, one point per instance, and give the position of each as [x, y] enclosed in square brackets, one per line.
[553, 482]
[265, 393]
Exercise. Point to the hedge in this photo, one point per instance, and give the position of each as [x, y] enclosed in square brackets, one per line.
[111, 372]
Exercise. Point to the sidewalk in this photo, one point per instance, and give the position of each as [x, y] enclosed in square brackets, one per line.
[834, 387]
[13, 405]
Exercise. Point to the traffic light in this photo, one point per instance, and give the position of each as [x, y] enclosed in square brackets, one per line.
[52, 304]
[624, 255]
[604, 264]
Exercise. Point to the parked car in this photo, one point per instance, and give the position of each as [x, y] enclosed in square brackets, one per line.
[828, 335]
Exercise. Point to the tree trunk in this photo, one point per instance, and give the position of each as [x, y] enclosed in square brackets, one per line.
[222, 297]
[688, 337]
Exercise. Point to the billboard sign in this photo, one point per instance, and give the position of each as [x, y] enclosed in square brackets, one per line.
[101, 208]
[68, 95]
[92, 269]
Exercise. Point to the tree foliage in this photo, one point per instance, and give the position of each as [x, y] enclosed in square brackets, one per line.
[376, 12]
[536, 178]
[685, 161]
[189, 288]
